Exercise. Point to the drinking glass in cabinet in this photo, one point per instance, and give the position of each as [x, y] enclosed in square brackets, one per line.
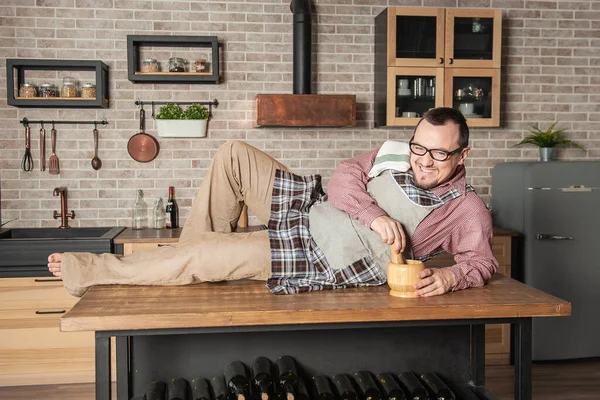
[472, 96]
[414, 95]
[473, 38]
[416, 36]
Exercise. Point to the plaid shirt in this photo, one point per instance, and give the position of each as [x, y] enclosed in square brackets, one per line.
[297, 263]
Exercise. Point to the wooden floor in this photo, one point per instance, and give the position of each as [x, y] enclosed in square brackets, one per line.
[572, 380]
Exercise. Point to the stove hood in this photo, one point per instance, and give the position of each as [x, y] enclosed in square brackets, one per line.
[303, 109]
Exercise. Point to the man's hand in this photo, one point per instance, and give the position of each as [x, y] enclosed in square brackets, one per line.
[391, 232]
[434, 282]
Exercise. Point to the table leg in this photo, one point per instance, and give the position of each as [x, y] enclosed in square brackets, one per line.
[477, 363]
[123, 378]
[102, 367]
[522, 356]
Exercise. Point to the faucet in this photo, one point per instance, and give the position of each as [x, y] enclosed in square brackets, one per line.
[64, 215]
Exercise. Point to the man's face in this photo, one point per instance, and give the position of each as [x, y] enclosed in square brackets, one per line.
[428, 172]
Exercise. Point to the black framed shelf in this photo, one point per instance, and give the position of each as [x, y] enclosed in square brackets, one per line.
[134, 42]
[18, 68]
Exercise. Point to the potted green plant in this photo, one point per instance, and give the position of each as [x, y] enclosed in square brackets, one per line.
[548, 140]
[172, 121]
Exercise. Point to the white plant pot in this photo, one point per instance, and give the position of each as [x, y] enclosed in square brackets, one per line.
[181, 127]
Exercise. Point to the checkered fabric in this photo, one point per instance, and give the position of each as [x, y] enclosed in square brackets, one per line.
[421, 196]
[297, 263]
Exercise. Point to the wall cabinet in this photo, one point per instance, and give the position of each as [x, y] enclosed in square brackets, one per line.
[33, 350]
[497, 336]
[431, 57]
[39, 72]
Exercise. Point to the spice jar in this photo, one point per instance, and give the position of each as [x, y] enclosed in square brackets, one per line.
[69, 87]
[88, 91]
[149, 65]
[27, 90]
[176, 64]
[200, 65]
[48, 90]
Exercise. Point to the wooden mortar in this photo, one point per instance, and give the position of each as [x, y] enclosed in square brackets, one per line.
[402, 275]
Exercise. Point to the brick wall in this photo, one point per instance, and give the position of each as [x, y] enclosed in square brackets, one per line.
[551, 71]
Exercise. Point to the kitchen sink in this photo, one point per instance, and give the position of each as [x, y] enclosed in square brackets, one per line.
[25, 251]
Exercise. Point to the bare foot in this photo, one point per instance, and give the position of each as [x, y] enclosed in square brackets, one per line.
[55, 263]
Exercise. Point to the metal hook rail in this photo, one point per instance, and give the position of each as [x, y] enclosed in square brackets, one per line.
[214, 103]
[27, 122]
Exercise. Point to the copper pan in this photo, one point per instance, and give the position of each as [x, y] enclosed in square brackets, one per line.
[143, 147]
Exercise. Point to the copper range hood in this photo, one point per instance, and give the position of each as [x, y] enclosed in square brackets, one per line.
[303, 109]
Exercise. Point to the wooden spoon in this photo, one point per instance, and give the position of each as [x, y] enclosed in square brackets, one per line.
[96, 161]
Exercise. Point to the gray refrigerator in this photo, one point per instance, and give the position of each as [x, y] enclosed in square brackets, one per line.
[556, 208]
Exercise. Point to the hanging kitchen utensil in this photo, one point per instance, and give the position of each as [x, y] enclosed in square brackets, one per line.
[53, 162]
[142, 147]
[42, 148]
[27, 164]
[96, 162]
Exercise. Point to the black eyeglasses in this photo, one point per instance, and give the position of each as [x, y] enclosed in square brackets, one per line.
[436, 154]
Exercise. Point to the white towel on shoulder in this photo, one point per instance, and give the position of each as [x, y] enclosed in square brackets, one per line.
[392, 155]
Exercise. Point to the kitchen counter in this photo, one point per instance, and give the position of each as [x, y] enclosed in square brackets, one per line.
[215, 323]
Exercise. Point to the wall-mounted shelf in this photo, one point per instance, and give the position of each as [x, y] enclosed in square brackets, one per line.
[135, 42]
[18, 68]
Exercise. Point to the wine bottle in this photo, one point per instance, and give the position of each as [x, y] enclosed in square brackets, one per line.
[437, 386]
[156, 391]
[367, 385]
[322, 388]
[302, 393]
[262, 380]
[237, 380]
[172, 211]
[414, 387]
[288, 376]
[201, 389]
[177, 389]
[220, 388]
[344, 387]
[391, 388]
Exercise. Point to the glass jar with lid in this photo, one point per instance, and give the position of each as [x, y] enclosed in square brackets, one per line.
[88, 91]
[149, 65]
[48, 90]
[176, 64]
[28, 90]
[69, 87]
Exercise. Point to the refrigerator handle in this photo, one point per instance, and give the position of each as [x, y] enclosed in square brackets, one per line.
[541, 236]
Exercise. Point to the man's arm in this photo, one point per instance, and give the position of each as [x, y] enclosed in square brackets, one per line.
[347, 189]
[471, 244]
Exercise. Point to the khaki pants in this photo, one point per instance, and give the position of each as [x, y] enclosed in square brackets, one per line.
[207, 251]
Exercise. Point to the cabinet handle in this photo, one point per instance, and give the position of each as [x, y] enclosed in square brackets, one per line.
[541, 236]
[48, 280]
[441, 60]
[163, 245]
[452, 61]
[50, 312]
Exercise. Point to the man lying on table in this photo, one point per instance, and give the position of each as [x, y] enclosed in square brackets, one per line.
[413, 196]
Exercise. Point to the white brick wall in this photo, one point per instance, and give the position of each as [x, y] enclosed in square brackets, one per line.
[551, 71]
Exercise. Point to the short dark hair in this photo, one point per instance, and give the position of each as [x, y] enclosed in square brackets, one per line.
[443, 115]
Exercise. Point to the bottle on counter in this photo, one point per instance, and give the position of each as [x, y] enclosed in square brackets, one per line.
[158, 214]
[172, 211]
[262, 380]
[288, 377]
[237, 380]
[139, 211]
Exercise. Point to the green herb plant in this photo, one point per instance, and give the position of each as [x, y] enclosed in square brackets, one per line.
[548, 138]
[173, 111]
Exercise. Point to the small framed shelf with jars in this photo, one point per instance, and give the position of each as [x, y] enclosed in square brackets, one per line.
[173, 59]
[57, 83]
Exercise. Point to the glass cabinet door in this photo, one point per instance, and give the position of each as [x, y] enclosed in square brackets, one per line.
[411, 92]
[415, 36]
[474, 38]
[475, 93]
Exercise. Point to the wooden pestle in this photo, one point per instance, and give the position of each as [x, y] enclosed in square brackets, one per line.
[397, 258]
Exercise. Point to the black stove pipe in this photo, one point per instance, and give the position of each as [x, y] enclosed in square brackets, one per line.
[302, 37]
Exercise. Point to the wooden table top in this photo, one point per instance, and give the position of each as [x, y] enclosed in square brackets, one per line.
[249, 303]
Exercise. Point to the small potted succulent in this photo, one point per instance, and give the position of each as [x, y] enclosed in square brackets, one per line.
[548, 140]
[172, 121]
